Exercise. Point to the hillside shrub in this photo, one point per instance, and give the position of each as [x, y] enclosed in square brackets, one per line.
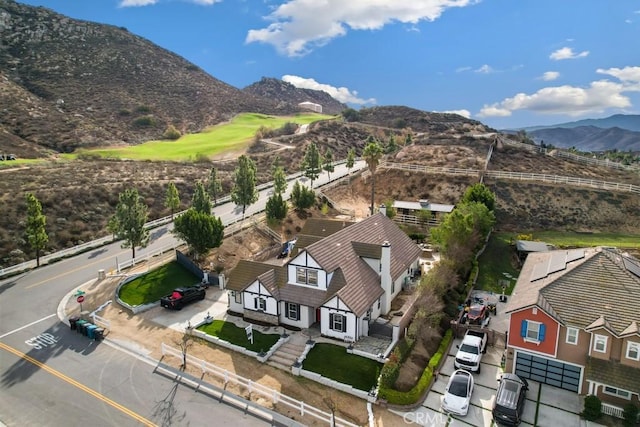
[410, 397]
[144, 121]
[171, 133]
[630, 415]
[592, 408]
[143, 109]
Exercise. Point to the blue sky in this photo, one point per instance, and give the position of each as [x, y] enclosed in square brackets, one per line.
[507, 63]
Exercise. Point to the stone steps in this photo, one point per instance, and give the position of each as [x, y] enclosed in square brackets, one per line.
[285, 356]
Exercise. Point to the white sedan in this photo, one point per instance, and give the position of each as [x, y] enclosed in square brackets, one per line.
[457, 395]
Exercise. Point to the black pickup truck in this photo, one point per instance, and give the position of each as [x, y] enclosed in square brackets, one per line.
[183, 296]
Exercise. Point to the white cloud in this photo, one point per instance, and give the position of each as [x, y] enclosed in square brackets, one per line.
[463, 113]
[493, 111]
[299, 26]
[342, 94]
[136, 3]
[485, 69]
[567, 53]
[462, 69]
[626, 74]
[550, 75]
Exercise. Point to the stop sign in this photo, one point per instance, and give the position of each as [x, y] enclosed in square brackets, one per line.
[80, 299]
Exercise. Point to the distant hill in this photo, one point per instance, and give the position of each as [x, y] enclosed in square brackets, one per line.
[589, 138]
[285, 92]
[622, 121]
[66, 83]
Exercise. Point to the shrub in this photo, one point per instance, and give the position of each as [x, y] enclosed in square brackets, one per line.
[410, 397]
[171, 133]
[630, 415]
[592, 408]
[144, 121]
[143, 109]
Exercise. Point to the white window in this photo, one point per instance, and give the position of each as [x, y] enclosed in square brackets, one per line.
[293, 311]
[572, 336]
[617, 392]
[533, 330]
[600, 343]
[633, 350]
[338, 322]
[260, 304]
[307, 276]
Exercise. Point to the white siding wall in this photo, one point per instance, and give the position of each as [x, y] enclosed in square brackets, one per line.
[330, 307]
[257, 290]
[373, 263]
[306, 261]
[233, 306]
[307, 316]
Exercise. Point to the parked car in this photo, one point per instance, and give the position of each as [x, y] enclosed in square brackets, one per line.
[509, 402]
[457, 395]
[183, 296]
[478, 314]
[470, 351]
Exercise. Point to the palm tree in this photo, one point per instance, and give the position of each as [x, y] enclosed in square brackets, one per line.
[372, 154]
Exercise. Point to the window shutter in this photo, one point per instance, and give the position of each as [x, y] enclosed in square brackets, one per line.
[523, 328]
[255, 303]
[541, 333]
[298, 312]
[331, 315]
[344, 323]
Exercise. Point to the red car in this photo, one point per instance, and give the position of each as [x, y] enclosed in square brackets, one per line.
[477, 313]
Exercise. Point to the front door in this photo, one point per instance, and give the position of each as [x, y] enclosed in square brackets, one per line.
[317, 314]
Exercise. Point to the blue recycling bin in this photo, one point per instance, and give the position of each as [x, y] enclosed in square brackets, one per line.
[90, 330]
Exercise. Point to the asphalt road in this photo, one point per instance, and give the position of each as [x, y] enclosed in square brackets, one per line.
[51, 376]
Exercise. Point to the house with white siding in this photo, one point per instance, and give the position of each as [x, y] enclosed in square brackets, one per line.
[342, 276]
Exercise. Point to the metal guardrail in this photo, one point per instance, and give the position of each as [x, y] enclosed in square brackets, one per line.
[253, 387]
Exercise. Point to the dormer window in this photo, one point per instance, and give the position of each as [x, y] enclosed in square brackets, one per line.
[633, 350]
[306, 276]
[600, 343]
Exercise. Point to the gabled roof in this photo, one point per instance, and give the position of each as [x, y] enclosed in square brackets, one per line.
[597, 289]
[342, 251]
[316, 229]
[340, 255]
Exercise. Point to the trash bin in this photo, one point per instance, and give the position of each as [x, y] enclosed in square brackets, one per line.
[98, 334]
[72, 322]
[79, 325]
[90, 328]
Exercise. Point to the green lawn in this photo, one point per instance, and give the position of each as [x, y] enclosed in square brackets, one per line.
[333, 361]
[157, 283]
[234, 135]
[496, 259]
[233, 334]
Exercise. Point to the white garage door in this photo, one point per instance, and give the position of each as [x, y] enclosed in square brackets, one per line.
[548, 371]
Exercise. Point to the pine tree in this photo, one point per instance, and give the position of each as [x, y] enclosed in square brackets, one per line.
[279, 181]
[244, 190]
[128, 222]
[327, 162]
[312, 164]
[214, 185]
[36, 233]
[201, 201]
[172, 199]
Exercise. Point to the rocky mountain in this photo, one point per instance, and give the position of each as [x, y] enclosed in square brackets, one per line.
[66, 83]
[285, 92]
[622, 121]
[589, 138]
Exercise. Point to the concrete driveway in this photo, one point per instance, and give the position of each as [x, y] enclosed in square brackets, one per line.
[556, 407]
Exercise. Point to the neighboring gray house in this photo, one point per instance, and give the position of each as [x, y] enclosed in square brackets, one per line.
[343, 281]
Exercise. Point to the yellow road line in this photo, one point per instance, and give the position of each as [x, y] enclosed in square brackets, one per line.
[75, 383]
[49, 279]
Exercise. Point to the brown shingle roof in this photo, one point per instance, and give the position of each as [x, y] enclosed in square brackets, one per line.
[598, 285]
[362, 282]
[246, 272]
[613, 373]
[323, 227]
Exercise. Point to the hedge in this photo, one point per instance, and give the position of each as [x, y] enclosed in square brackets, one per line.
[410, 397]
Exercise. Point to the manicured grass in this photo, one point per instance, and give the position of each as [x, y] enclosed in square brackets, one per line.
[234, 135]
[496, 259]
[233, 334]
[568, 239]
[157, 283]
[333, 361]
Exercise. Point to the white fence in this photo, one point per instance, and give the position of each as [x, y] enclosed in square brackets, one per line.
[133, 261]
[613, 411]
[256, 388]
[518, 176]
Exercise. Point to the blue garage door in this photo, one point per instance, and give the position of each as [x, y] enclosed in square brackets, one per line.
[548, 371]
